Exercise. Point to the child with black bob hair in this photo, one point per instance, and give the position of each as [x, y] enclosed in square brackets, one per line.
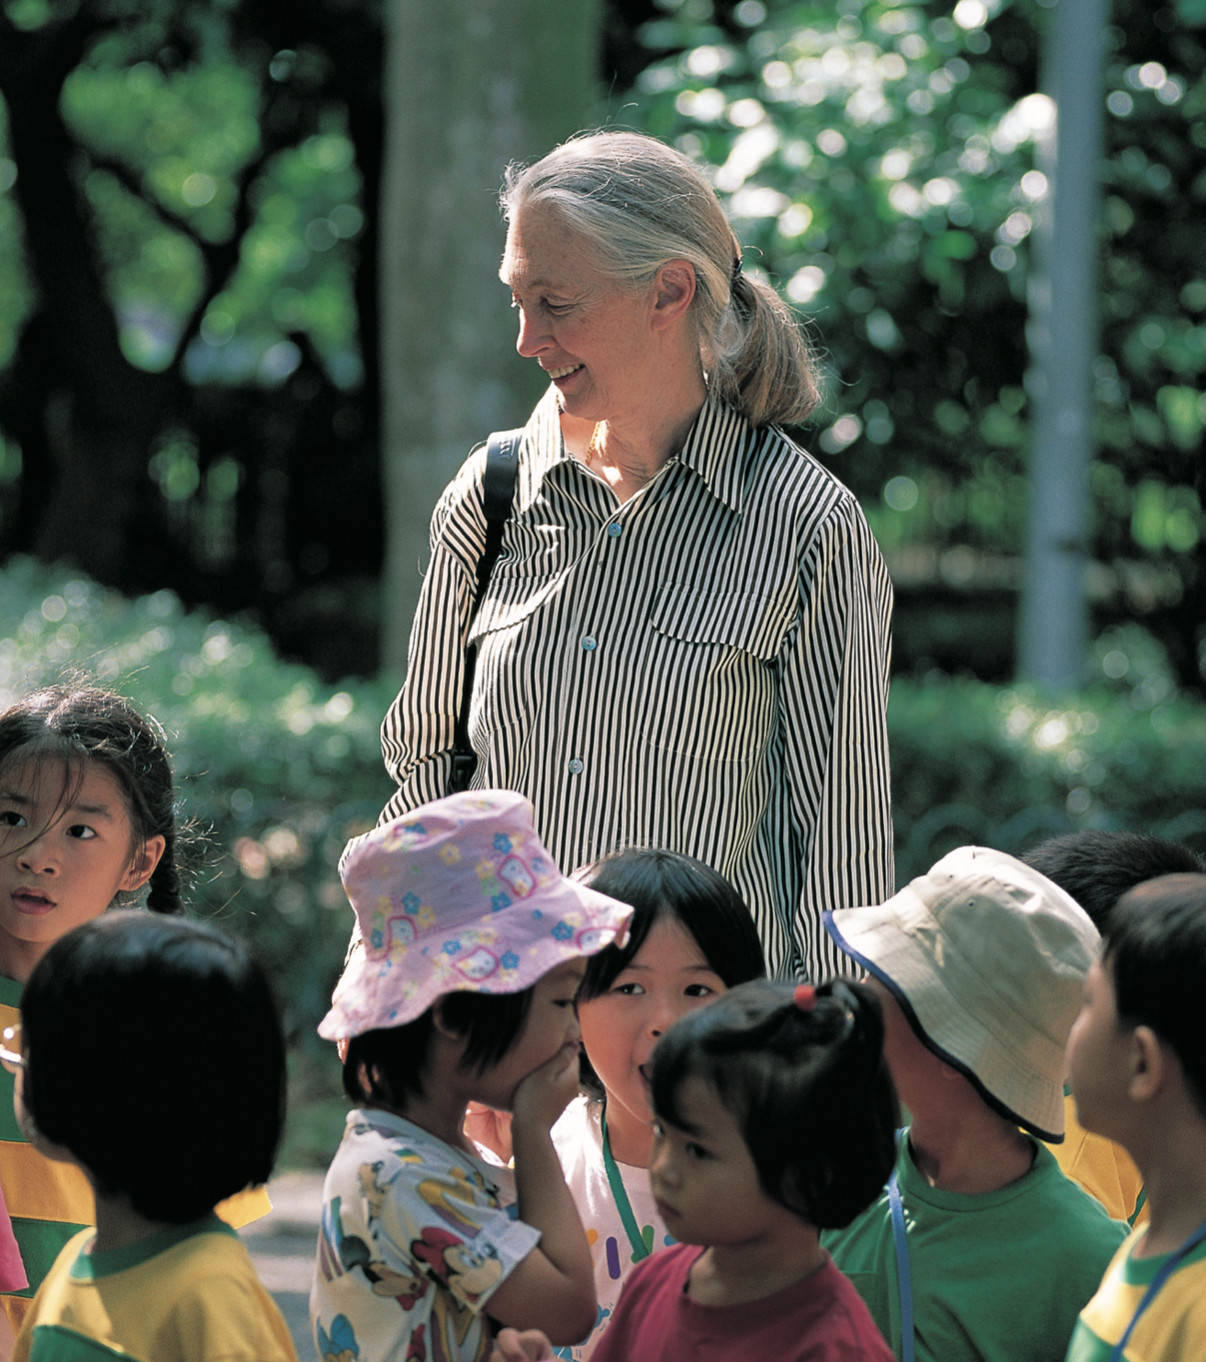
[152, 1056]
[88, 821]
[775, 1118]
[668, 887]
[1137, 1063]
[471, 946]
[692, 938]
[1096, 867]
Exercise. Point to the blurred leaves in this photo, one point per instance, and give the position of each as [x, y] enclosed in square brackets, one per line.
[1008, 766]
[274, 769]
[880, 163]
[278, 770]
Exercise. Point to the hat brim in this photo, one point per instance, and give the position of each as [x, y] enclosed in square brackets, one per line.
[500, 952]
[899, 945]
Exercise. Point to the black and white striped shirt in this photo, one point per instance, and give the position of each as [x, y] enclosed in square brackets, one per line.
[703, 668]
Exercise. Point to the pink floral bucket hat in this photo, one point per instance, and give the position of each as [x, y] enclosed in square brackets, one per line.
[459, 894]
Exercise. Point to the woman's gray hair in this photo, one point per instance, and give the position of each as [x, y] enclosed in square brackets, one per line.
[637, 204]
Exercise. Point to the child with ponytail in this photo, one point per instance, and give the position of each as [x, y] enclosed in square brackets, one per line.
[774, 1119]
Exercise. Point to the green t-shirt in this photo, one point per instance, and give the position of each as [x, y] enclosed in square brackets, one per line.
[997, 1277]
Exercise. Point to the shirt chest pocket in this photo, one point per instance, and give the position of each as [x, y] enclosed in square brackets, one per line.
[711, 675]
[510, 601]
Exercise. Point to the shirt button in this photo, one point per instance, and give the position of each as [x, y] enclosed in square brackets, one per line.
[575, 766]
[589, 642]
[615, 530]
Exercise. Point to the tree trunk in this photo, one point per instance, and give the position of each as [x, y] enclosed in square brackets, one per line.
[89, 416]
[468, 87]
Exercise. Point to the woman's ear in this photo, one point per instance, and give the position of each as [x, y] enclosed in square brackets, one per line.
[673, 292]
[142, 867]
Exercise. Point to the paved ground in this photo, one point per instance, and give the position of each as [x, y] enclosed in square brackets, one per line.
[282, 1248]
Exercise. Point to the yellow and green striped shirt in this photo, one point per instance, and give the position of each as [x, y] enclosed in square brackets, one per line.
[1171, 1329]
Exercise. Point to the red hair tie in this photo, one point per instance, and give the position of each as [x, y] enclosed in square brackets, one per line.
[805, 997]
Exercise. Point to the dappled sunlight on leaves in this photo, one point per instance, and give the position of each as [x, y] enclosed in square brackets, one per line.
[275, 768]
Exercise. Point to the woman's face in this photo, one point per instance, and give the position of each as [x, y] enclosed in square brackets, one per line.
[665, 979]
[590, 335]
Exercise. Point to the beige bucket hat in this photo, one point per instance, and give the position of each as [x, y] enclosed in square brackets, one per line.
[987, 959]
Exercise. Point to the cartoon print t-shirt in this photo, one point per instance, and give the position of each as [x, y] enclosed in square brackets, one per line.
[578, 1139]
[415, 1238]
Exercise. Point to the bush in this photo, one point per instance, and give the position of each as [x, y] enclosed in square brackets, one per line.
[1009, 766]
[279, 769]
[274, 769]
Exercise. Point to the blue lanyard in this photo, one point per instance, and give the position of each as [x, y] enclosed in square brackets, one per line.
[1163, 1273]
[904, 1278]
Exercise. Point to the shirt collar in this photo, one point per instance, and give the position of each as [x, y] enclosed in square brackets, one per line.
[716, 449]
[545, 448]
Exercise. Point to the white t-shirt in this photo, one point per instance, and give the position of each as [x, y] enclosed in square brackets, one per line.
[578, 1139]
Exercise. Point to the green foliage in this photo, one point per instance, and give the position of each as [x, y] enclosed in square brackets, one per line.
[1006, 767]
[14, 286]
[881, 162]
[274, 769]
[279, 770]
[168, 148]
[185, 140]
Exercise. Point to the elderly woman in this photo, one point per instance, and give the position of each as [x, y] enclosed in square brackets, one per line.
[685, 640]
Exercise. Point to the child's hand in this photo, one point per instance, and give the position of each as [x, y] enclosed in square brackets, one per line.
[546, 1092]
[513, 1346]
[489, 1128]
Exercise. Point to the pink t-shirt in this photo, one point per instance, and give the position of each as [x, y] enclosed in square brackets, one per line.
[821, 1319]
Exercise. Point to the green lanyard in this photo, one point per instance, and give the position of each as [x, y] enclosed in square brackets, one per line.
[640, 1249]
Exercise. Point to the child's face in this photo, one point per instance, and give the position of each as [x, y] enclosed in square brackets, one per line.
[1097, 1055]
[704, 1181]
[551, 1025]
[61, 866]
[666, 978]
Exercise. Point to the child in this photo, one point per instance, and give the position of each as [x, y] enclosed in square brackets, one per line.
[1137, 1060]
[1097, 868]
[87, 818]
[461, 989]
[691, 939]
[774, 1118]
[152, 1056]
[980, 1250]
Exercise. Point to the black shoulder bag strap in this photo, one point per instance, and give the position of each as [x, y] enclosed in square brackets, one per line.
[502, 465]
